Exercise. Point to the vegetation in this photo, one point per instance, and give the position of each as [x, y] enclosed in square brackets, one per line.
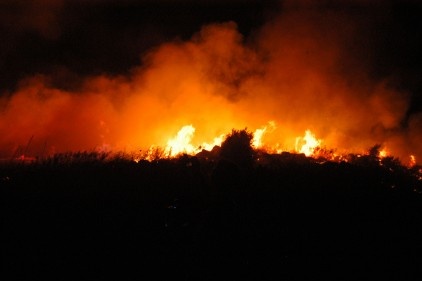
[237, 148]
[232, 214]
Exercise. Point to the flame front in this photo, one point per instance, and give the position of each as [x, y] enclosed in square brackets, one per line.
[307, 144]
[218, 81]
[259, 133]
[182, 142]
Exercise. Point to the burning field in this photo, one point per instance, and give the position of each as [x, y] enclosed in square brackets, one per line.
[303, 74]
[211, 140]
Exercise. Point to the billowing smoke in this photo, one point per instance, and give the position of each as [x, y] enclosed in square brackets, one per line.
[304, 70]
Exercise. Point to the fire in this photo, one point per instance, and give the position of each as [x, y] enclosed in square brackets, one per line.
[412, 161]
[307, 144]
[216, 142]
[257, 139]
[383, 153]
[259, 133]
[182, 142]
[213, 83]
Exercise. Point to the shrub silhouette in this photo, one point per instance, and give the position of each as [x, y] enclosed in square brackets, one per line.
[237, 148]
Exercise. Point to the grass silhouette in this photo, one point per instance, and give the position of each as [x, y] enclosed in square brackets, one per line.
[90, 215]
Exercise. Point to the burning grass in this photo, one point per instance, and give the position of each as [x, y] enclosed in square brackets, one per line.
[240, 148]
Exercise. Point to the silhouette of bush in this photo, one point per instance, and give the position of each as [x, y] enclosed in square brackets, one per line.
[374, 151]
[237, 148]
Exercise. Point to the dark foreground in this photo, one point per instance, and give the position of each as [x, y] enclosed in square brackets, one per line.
[194, 219]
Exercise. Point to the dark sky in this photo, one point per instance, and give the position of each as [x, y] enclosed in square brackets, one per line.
[73, 39]
[91, 37]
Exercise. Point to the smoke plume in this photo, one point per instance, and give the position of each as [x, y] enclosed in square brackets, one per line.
[304, 69]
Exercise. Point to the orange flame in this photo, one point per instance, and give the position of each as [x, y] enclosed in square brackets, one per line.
[383, 153]
[182, 142]
[307, 144]
[259, 133]
[412, 161]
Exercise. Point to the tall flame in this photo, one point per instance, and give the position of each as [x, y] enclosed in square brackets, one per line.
[412, 161]
[259, 133]
[307, 144]
[182, 142]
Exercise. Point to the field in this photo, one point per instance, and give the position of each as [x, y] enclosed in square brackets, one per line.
[88, 216]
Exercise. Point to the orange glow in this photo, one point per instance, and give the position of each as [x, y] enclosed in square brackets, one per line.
[217, 81]
[259, 133]
[307, 144]
[412, 161]
[216, 142]
[182, 142]
[383, 153]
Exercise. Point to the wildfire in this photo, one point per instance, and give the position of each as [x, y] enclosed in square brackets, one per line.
[183, 143]
[307, 144]
[383, 153]
[412, 161]
[212, 83]
[259, 133]
[217, 141]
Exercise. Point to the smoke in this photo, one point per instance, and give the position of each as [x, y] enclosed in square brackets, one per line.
[304, 69]
[39, 16]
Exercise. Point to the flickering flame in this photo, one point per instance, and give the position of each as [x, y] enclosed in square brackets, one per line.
[257, 139]
[182, 142]
[259, 133]
[412, 161]
[216, 142]
[307, 144]
[383, 153]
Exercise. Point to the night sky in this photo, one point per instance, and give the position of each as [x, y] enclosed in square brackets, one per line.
[71, 39]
